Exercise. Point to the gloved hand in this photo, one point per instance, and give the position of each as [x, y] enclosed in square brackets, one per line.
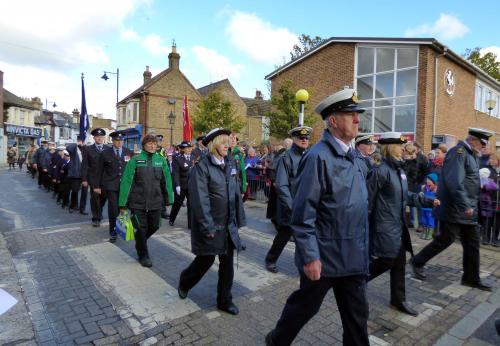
[178, 190]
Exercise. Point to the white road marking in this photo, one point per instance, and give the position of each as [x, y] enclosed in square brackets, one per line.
[248, 274]
[18, 222]
[140, 292]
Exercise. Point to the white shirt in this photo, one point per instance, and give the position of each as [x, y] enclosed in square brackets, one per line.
[217, 161]
[344, 146]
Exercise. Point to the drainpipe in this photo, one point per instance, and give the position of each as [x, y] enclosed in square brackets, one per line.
[434, 111]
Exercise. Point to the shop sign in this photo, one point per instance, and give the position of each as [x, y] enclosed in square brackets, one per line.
[23, 131]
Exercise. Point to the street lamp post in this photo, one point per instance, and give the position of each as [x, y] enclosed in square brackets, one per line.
[54, 105]
[171, 120]
[490, 104]
[301, 96]
[117, 73]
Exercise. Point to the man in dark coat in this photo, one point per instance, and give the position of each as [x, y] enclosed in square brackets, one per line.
[330, 225]
[77, 154]
[364, 148]
[217, 214]
[37, 161]
[111, 167]
[181, 165]
[285, 174]
[200, 149]
[458, 191]
[91, 174]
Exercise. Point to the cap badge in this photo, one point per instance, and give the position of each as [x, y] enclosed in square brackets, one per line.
[303, 131]
[354, 97]
[402, 138]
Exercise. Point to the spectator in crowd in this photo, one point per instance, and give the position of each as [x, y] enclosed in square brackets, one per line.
[11, 157]
[30, 160]
[487, 206]
[427, 220]
[494, 167]
[484, 159]
[437, 163]
[20, 161]
[253, 169]
[411, 169]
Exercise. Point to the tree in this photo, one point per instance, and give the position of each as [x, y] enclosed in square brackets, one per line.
[214, 111]
[285, 113]
[306, 43]
[488, 62]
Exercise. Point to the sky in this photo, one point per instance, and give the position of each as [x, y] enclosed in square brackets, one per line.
[46, 45]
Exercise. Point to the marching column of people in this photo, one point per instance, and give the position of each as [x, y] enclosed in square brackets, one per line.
[343, 204]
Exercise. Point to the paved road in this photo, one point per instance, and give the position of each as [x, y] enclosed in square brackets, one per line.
[79, 288]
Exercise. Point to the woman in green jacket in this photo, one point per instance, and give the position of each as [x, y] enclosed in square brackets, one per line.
[145, 189]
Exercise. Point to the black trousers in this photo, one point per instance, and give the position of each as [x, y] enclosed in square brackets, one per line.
[146, 223]
[448, 232]
[97, 202]
[201, 264]
[280, 240]
[113, 210]
[75, 184]
[84, 191]
[303, 304]
[178, 199]
[397, 271]
[64, 188]
[41, 176]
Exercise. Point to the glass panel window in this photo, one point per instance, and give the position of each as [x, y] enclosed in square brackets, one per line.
[383, 119]
[385, 59]
[384, 85]
[479, 97]
[405, 100]
[382, 103]
[407, 57]
[365, 88]
[406, 82]
[368, 104]
[365, 61]
[405, 119]
[365, 124]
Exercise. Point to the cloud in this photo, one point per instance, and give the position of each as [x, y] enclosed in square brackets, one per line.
[218, 66]
[153, 44]
[263, 42]
[130, 35]
[54, 34]
[492, 49]
[447, 27]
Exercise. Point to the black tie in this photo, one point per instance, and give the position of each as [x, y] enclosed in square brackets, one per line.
[117, 153]
[350, 154]
[99, 148]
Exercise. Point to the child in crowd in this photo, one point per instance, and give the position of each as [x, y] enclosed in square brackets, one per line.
[486, 205]
[428, 222]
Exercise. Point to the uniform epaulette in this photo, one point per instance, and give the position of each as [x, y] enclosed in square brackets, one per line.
[460, 150]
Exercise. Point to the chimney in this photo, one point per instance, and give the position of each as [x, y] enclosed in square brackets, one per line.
[258, 95]
[173, 58]
[36, 102]
[147, 75]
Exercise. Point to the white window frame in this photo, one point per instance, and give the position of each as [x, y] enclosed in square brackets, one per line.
[394, 72]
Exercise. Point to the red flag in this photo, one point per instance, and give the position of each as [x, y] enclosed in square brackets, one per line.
[187, 127]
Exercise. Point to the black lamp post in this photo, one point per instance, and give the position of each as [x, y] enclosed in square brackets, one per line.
[54, 105]
[117, 73]
[171, 120]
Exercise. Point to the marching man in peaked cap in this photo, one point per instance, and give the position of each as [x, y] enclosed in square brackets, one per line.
[329, 221]
[91, 174]
[458, 190]
[111, 167]
[181, 165]
[285, 174]
[364, 148]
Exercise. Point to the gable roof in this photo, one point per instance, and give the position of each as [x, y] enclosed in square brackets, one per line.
[207, 89]
[432, 42]
[153, 80]
[256, 107]
[13, 100]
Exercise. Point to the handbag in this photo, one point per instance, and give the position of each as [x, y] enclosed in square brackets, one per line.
[124, 226]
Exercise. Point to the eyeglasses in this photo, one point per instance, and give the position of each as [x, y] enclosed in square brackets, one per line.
[303, 138]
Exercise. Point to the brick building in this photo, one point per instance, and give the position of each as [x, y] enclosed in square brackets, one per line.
[412, 85]
[148, 107]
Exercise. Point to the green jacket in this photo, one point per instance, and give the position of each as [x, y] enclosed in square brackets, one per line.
[146, 183]
[238, 157]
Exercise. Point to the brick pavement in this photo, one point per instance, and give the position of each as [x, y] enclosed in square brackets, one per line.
[73, 298]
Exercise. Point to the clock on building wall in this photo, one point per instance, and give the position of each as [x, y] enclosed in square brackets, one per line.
[449, 82]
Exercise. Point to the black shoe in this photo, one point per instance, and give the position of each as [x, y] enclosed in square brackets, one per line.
[83, 212]
[269, 339]
[418, 272]
[404, 307]
[112, 239]
[271, 267]
[182, 294]
[229, 308]
[478, 285]
[145, 261]
[171, 223]
[71, 210]
[164, 215]
[96, 223]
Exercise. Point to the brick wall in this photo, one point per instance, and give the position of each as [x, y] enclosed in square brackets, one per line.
[321, 74]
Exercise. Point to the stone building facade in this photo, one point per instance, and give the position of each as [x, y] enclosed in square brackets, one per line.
[151, 104]
[412, 85]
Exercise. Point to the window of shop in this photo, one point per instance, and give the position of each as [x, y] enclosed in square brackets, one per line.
[386, 81]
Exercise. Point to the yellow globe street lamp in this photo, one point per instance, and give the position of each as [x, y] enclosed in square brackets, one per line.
[301, 96]
[490, 104]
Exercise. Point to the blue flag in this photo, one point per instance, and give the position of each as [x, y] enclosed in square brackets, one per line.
[84, 117]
